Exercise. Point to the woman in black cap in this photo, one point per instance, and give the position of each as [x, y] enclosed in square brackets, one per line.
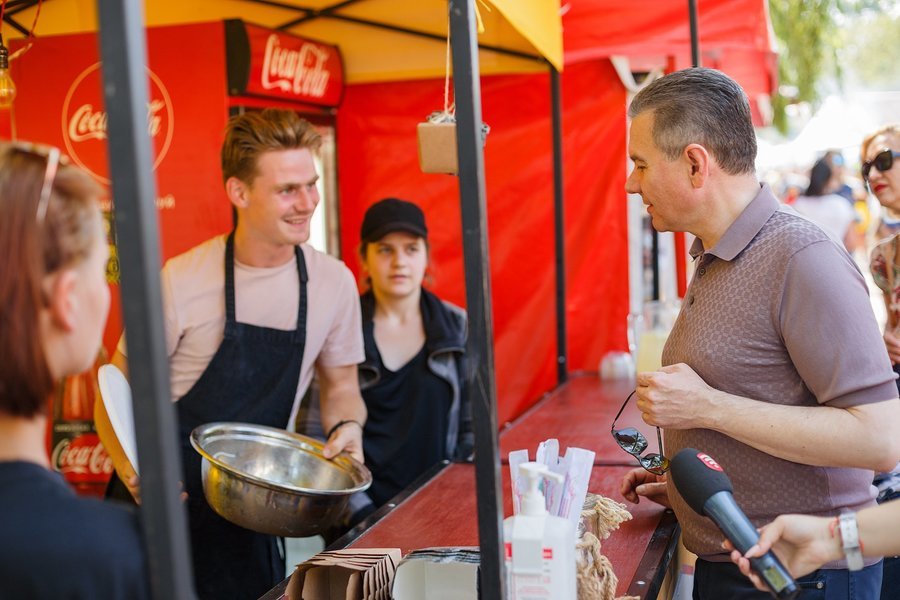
[412, 378]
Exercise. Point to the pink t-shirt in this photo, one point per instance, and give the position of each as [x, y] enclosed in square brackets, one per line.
[193, 296]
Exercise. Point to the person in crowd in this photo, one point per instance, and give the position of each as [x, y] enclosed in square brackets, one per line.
[249, 317]
[841, 187]
[804, 543]
[55, 300]
[774, 364]
[412, 377]
[878, 153]
[825, 207]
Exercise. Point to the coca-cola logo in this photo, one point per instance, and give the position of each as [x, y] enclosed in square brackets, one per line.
[709, 461]
[299, 71]
[82, 458]
[84, 122]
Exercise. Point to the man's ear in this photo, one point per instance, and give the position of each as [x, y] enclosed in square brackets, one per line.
[698, 161]
[62, 299]
[237, 192]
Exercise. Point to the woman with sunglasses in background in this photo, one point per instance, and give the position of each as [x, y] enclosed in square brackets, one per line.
[879, 152]
[55, 300]
[879, 155]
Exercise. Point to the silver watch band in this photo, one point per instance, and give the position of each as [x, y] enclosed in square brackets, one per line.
[850, 541]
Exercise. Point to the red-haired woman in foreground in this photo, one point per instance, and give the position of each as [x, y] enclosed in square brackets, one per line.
[54, 300]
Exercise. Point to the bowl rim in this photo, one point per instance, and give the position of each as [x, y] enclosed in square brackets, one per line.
[206, 430]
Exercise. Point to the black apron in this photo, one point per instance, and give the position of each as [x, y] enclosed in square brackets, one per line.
[252, 378]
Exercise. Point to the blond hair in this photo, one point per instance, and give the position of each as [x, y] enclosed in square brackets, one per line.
[251, 134]
[892, 130]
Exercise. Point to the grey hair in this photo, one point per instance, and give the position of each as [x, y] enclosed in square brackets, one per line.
[700, 106]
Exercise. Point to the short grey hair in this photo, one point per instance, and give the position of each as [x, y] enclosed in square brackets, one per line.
[700, 106]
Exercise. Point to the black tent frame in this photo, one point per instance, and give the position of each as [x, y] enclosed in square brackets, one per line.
[123, 51]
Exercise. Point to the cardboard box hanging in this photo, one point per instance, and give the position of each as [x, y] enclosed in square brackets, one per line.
[437, 147]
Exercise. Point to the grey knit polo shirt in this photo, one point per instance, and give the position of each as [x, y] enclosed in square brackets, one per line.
[778, 312]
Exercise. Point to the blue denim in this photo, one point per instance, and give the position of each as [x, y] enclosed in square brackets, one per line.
[724, 581]
[890, 584]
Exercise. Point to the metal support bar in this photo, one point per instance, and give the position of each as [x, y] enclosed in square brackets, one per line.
[316, 14]
[283, 5]
[8, 19]
[433, 36]
[123, 52]
[480, 384]
[19, 5]
[695, 37]
[562, 370]
[330, 13]
[654, 265]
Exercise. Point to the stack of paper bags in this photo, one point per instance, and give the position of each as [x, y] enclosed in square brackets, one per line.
[351, 574]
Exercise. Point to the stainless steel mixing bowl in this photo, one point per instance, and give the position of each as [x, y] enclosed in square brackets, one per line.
[273, 481]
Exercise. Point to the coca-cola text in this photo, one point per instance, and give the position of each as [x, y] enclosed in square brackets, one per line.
[89, 124]
[301, 72]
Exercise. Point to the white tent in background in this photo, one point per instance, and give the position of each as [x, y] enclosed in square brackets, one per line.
[839, 124]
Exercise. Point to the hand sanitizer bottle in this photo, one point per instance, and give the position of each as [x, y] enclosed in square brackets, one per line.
[539, 547]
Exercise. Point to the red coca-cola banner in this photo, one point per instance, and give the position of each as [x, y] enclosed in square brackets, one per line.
[262, 62]
[60, 102]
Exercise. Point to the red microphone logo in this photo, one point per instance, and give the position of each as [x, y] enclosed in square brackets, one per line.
[710, 462]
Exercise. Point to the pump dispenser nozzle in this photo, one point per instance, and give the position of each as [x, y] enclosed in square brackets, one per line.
[533, 502]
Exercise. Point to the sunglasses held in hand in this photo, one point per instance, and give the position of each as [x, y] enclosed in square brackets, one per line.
[883, 161]
[634, 443]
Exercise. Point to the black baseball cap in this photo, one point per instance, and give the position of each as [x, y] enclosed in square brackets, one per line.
[389, 215]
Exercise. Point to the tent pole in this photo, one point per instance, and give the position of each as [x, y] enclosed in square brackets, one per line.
[695, 38]
[480, 384]
[163, 518]
[562, 373]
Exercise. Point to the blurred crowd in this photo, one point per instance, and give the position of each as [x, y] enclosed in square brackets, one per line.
[832, 193]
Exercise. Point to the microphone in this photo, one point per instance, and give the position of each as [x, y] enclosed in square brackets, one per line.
[708, 491]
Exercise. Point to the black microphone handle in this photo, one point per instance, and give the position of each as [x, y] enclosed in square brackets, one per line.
[738, 529]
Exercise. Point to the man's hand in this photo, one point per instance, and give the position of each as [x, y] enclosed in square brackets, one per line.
[639, 482]
[346, 438]
[674, 397]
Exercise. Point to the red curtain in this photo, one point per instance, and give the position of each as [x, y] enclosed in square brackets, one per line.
[378, 157]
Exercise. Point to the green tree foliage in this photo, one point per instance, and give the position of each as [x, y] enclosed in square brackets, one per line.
[811, 37]
[873, 51]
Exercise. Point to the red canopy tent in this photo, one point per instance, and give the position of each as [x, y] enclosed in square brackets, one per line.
[378, 158]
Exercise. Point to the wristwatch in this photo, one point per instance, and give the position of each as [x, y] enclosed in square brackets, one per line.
[850, 541]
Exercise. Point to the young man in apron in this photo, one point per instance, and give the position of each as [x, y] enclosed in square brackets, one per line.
[249, 317]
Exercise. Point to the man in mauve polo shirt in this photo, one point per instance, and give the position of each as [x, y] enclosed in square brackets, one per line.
[775, 366]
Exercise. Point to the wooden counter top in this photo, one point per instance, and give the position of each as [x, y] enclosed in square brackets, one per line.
[443, 510]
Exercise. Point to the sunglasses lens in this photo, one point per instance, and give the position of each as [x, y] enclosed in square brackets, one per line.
[631, 440]
[655, 463]
[884, 161]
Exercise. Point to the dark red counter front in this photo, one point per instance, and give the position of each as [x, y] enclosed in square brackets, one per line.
[443, 511]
